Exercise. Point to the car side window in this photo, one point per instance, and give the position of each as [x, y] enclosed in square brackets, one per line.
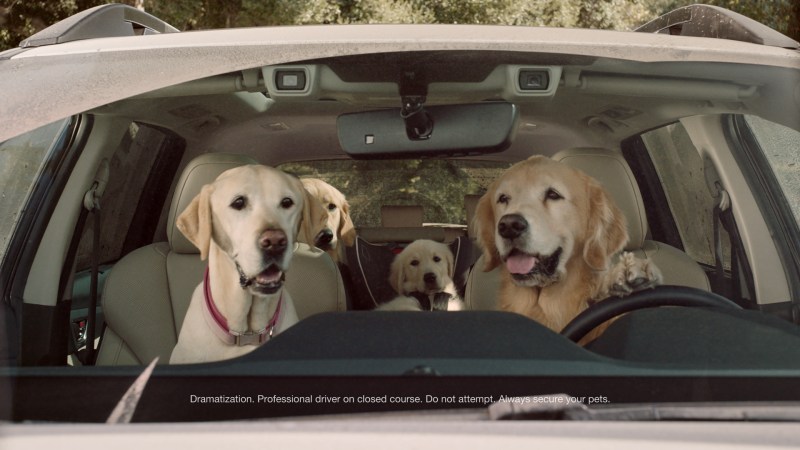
[21, 161]
[680, 172]
[140, 172]
[781, 146]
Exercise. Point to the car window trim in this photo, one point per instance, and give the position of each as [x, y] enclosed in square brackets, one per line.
[30, 229]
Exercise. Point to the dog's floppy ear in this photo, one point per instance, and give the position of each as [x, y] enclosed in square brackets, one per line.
[483, 222]
[195, 221]
[448, 256]
[606, 229]
[313, 219]
[397, 274]
[347, 230]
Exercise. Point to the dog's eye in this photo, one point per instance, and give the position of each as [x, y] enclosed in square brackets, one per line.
[503, 199]
[414, 262]
[287, 203]
[331, 206]
[239, 203]
[436, 259]
[552, 194]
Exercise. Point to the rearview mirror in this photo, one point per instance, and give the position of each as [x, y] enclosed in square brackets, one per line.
[450, 130]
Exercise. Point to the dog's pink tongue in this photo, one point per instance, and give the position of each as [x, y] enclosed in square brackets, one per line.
[520, 264]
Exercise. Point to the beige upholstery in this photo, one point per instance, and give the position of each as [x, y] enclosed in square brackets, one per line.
[613, 172]
[147, 292]
[401, 234]
[404, 223]
[401, 216]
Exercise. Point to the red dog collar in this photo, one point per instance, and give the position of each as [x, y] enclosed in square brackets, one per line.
[219, 325]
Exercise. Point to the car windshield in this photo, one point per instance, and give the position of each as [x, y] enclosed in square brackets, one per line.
[497, 221]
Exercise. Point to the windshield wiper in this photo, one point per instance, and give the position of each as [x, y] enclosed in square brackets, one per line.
[566, 407]
[123, 412]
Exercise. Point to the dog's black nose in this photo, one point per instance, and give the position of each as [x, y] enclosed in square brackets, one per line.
[273, 242]
[429, 277]
[323, 238]
[512, 226]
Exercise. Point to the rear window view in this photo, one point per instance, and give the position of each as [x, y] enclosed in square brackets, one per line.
[438, 186]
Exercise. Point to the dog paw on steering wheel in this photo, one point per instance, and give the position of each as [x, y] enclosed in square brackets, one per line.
[631, 274]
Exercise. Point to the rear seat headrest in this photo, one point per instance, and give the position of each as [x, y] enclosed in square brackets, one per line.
[198, 172]
[401, 216]
[614, 173]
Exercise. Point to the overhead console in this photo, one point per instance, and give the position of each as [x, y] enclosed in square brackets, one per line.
[311, 82]
[370, 85]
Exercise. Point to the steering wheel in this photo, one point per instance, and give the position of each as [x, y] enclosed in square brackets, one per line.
[609, 308]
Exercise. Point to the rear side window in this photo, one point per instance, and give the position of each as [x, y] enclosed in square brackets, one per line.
[21, 161]
[781, 146]
[140, 173]
[680, 172]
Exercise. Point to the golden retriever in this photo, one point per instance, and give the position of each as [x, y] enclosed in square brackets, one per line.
[245, 223]
[555, 232]
[339, 228]
[422, 275]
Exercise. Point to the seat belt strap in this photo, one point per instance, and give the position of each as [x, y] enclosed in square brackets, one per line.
[91, 201]
[721, 206]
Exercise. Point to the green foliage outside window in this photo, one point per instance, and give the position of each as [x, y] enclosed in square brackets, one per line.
[439, 186]
[22, 18]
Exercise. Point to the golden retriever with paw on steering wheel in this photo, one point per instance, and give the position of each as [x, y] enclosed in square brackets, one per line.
[555, 233]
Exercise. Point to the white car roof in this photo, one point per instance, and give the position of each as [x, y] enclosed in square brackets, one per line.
[47, 83]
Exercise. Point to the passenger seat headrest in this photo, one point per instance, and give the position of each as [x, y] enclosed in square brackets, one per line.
[614, 173]
[198, 172]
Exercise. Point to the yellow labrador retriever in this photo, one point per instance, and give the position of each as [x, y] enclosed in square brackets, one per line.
[422, 275]
[245, 223]
[339, 228]
[555, 232]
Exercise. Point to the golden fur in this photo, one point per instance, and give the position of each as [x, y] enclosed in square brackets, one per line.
[555, 232]
[339, 228]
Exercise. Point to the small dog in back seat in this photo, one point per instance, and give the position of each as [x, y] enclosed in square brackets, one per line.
[339, 228]
[422, 275]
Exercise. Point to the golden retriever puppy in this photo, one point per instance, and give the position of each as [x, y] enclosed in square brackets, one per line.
[555, 233]
[245, 223]
[339, 228]
[422, 275]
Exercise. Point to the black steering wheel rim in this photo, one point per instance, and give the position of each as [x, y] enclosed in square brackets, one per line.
[609, 308]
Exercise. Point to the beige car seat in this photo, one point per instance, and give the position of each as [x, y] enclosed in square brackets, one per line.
[147, 292]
